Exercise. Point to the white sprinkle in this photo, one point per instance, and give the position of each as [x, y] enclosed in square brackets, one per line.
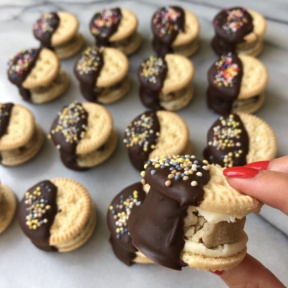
[194, 183]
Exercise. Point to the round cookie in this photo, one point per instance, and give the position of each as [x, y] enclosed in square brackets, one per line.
[175, 30]
[116, 28]
[236, 84]
[239, 31]
[67, 218]
[8, 205]
[103, 74]
[166, 83]
[155, 133]
[190, 216]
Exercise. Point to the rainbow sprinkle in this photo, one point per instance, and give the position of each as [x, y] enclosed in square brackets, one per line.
[151, 68]
[236, 18]
[46, 23]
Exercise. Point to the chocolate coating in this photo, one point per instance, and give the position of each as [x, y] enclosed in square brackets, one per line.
[5, 114]
[124, 203]
[140, 138]
[166, 24]
[228, 142]
[156, 227]
[104, 24]
[36, 213]
[231, 26]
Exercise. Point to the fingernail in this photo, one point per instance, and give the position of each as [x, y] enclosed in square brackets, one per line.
[259, 165]
[217, 272]
[240, 172]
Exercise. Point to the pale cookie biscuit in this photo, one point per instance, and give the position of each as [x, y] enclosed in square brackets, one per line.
[8, 205]
[130, 45]
[67, 218]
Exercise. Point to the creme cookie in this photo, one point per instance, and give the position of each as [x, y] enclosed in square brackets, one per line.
[236, 84]
[166, 83]
[59, 31]
[37, 74]
[175, 30]
[116, 28]
[8, 205]
[21, 138]
[117, 218]
[57, 215]
[190, 216]
[84, 135]
[239, 31]
[156, 133]
[103, 75]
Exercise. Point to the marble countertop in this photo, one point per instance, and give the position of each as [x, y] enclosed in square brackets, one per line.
[94, 264]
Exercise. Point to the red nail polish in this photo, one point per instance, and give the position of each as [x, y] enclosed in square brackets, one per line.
[217, 272]
[259, 165]
[240, 172]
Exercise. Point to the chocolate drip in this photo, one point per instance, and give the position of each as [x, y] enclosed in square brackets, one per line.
[224, 78]
[228, 142]
[124, 203]
[151, 74]
[231, 26]
[156, 227]
[45, 27]
[87, 71]
[19, 67]
[5, 114]
[104, 24]
[166, 23]
[36, 214]
[140, 138]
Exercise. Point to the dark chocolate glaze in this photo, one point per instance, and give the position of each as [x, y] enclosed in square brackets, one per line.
[151, 74]
[121, 241]
[5, 114]
[110, 19]
[67, 131]
[45, 194]
[223, 91]
[230, 30]
[228, 142]
[19, 67]
[156, 227]
[140, 138]
[44, 28]
[87, 70]
[165, 29]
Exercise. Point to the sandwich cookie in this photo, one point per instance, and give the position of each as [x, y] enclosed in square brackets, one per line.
[156, 133]
[239, 138]
[166, 83]
[117, 28]
[37, 74]
[59, 32]
[175, 30]
[103, 74]
[57, 215]
[190, 216]
[21, 138]
[117, 218]
[8, 205]
[236, 84]
[239, 31]
[84, 135]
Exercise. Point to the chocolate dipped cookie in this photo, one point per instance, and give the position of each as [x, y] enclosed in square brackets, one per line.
[239, 31]
[175, 30]
[116, 28]
[37, 74]
[190, 215]
[57, 215]
[117, 217]
[84, 135]
[59, 31]
[103, 74]
[21, 138]
[239, 138]
[156, 133]
[236, 84]
[166, 82]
